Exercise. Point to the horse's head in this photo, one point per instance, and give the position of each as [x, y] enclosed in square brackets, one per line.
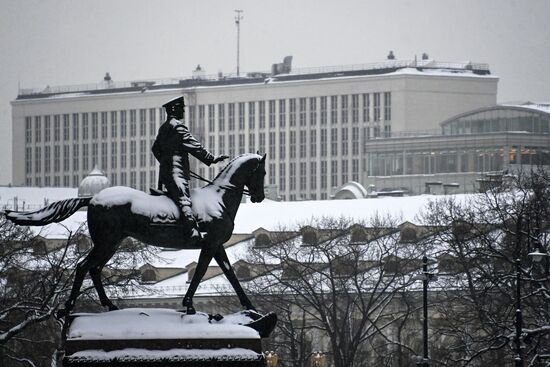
[255, 182]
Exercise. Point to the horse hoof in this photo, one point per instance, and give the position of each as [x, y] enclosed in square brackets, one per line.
[190, 310]
[113, 308]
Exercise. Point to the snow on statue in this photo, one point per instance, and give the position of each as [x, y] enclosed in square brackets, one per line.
[173, 218]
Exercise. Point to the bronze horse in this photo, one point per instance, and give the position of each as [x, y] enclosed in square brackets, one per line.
[119, 212]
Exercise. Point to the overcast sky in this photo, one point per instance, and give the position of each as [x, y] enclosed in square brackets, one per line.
[59, 42]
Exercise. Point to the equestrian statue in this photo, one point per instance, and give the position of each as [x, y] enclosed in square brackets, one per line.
[176, 217]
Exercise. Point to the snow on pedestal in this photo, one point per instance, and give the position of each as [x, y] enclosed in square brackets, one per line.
[152, 336]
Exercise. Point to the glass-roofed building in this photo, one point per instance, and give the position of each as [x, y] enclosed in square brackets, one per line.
[474, 149]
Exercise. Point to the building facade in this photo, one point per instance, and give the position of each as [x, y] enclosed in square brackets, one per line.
[315, 125]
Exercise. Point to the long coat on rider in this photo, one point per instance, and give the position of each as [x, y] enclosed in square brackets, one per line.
[171, 148]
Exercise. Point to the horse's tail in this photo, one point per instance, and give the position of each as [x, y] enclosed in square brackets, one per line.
[55, 212]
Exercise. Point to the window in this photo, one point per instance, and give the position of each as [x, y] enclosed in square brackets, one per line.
[282, 145]
[334, 141]
[94, 125]
[56, 127]
[366, 107]
[303, 176]
[272, 173]
[142, 122]
[56, 158]
[28, 160]
[333, 109]
[142, 153]
[241, 143]
[221, 144]
[114, 124]
[292, 145]
[231, 117]
[232, 145]
[324, 143]
[114, 181]
[303, 107]
[152, 121]
[133, 158]
[76, 157]
[76, 127]
[282, 177]
[143, 181]
[251, 116]
[152, 159]
[123, 179]
[323, 110]
[261, 107]
[262, 143]
[66, 127]
[344, 171]
[292, 111]
[313, 111]
[47, 159]
[28, 130]
[211, 118]
[354, 108]
[152, 178]
[345, 141]
[376, 106]
[387, 106]
[85, 126]
[123, 124]
[241, 116]
[104, 125]
[47, 129]
[221, 117]
[113, 156]
[37, 129]
[272, 113]
[85, 157]
[355, 140]
[37, 160]
[133, 179]
[334, 173]
[344, 109]
[122, 154]
[272, 144]
[313, 143]
[104, 155]
[303, 144]
[323, 174]
[95, 147]
[282, 113]
[66, 158]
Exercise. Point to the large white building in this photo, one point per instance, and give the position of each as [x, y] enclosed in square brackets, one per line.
[315, 125]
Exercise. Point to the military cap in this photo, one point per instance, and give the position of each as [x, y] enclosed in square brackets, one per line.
[172, 104]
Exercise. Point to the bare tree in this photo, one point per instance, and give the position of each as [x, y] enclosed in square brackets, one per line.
[335, 285]
[488, 239]
[35, 278]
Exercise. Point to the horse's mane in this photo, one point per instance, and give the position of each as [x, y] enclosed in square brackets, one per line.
[230, 164]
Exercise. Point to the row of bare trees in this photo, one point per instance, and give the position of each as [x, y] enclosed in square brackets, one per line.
[352, 289]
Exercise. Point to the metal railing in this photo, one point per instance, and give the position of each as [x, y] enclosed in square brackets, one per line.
[106, 85]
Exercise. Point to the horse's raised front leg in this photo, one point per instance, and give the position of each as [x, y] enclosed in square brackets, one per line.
[221, 258]
[204, 260]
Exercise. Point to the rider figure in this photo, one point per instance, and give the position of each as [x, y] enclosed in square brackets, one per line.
[171, 148]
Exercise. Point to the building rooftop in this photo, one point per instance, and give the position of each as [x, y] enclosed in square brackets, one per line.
[108, 86]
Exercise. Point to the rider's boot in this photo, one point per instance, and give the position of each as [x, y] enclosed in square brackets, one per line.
[190, 223]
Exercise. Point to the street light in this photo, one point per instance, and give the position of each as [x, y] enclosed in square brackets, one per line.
[426, 277]
[272, 359]
[318, 359]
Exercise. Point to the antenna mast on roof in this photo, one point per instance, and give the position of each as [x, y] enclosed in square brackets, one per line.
[238, 18]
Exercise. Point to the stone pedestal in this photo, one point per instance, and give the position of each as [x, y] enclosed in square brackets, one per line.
[161, 337]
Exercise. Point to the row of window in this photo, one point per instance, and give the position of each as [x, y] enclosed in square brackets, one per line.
[303, 111]
[94, 125]
[484, 159]
[77, 157]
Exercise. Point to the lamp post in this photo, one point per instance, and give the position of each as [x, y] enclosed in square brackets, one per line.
[537, 257]
[426, 277]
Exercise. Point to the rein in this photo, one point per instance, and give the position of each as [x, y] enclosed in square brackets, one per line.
[199, 177]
